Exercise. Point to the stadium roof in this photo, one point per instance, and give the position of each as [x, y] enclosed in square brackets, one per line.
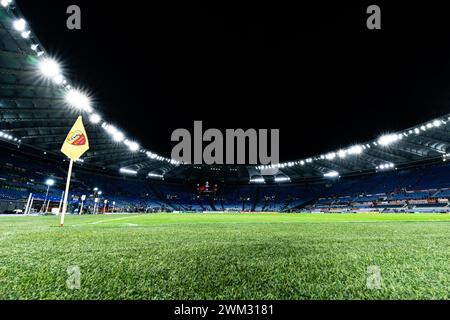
[38, 105]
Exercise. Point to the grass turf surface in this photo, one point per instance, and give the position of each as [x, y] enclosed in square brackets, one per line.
[226, 256]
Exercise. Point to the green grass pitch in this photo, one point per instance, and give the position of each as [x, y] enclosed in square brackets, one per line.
[226, 256]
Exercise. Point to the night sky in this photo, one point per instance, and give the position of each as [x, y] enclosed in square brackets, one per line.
[313, 71]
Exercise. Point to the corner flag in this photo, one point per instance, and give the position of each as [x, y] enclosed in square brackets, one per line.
[76, 143]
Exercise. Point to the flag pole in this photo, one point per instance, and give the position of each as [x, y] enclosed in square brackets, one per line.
[66, 193]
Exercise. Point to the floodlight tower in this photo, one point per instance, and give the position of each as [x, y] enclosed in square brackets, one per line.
[49, 183]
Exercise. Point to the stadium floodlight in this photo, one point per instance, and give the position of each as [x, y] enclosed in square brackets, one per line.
[25, 34]
[331, 174]
[155, 175]
[257, 180]
[95, 118]
[342, 154]
[100, 193]
[20, 25]
[282, 179]
[355, 150]
[5, 3]
[95, 189]
[49, 68]
[388, 139]
[437, 123]
[118, 136]
[50, 182]
[133, 146]
[59, 79]
[386, 166]
[78, 100]
[330, 156]
[128, 171]
[34, 47]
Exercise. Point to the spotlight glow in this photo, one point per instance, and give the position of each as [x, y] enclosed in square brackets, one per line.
[49, 68]
[5, 3]
[26, 34]
[95, 118]
[331, 174]
[355, 150]
[20, 25]
[133, 146]
[388, 139]
[78, 100]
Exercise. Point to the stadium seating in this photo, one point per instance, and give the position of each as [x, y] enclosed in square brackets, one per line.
[423, 189]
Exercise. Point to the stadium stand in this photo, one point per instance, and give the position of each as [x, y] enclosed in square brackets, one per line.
[400, 172]
[418, 189]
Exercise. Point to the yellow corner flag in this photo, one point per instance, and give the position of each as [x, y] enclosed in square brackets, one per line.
[76, 143]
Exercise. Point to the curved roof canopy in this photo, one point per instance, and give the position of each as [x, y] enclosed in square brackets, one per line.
[38, 106]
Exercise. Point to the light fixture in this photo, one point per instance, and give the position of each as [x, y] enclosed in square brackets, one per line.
[20, 25]
[49, 68]
[50, 182]
[78, 100]
[282, 179]
[331, 174]
[5, 3]
[133, 146]
[59, 79]
[26, 34]
[95, 118]
[388, 139]
[128, 171]
[437, 123]
[355, 150]
[155, 175]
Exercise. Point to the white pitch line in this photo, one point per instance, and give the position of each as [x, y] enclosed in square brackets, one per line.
[104, 220]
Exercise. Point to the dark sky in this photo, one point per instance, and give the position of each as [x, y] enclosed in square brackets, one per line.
[313, 71]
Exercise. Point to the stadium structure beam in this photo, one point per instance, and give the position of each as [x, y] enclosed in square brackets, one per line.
[117, 153]
[23, 120]
[17, 72]
[31, 87]
[129, 159]
[115, 156]
[33, 99]
[13, 54]
[36, 128]
[431, 140]
[376, 160]
[352, 163]
[39, 111]
[331, 166]
[418, 148]
[57, 129]
[155, 164]
[391, 156]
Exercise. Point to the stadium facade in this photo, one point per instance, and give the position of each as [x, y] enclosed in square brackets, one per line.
[399, 171]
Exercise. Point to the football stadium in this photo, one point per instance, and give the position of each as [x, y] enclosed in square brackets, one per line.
[364, 221]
